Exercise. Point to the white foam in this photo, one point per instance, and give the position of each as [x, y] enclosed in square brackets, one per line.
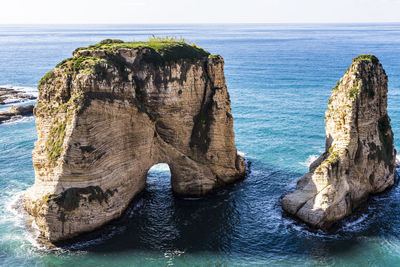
[245, 155]
[17, 101]
[29, 90]
[12, 207]
[397, 160]
[18, 120]
[13, 101]
[303, 229]
[309, 160]
[240, 153]
[16, 215]
[170, 255]
[356, 224]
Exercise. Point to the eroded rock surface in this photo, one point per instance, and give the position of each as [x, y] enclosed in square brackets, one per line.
[107, 115]
[359, 157]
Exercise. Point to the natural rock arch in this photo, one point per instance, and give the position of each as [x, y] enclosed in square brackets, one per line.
[114, 110]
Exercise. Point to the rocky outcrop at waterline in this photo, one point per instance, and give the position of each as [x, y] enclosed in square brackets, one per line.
[15, 112]
[10, 95]
[359, 157]
[107, 115]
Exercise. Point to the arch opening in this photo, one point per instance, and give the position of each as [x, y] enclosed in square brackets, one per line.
[159, 179]
[159, 168]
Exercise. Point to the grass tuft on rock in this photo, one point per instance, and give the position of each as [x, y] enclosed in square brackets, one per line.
[111, 41]
[55, 141]
[76, 64]
[46, 77]
[353, 92]
[366, 58]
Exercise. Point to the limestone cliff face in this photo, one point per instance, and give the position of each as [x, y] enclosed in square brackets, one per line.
[107, 115]
[359, 159]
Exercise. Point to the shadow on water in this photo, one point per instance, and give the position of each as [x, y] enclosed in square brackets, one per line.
[243, 219]
[160, 221]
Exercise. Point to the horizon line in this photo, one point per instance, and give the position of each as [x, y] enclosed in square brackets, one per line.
[208, 23]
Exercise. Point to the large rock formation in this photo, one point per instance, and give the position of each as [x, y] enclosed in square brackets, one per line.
[107, 115]
[359, 157]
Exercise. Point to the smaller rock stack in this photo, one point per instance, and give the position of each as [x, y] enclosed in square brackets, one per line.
[359, 157]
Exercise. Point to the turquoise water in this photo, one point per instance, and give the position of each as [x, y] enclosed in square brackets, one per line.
[279, 78]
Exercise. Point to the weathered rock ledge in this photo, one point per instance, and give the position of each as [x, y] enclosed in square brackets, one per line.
[15, 112]
[359, 157]
[107, 115]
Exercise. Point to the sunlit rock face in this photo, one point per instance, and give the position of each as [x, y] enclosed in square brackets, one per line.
[107, 115]
[359, 157]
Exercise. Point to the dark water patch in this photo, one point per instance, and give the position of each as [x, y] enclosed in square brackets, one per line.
[158, 220]
[226, 221]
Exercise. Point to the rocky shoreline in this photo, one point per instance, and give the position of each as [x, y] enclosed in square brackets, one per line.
[15, 112]
[12, 96]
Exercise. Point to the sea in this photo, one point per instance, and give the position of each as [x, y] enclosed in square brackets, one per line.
[279, 78]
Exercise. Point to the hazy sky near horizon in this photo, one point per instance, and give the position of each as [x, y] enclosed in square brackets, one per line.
[204, 11]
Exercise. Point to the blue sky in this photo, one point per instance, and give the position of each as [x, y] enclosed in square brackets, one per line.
[204, 11]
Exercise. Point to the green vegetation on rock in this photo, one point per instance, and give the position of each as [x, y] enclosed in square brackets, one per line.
[214, 57]
[337, 85]
[353, 92]
[333, 157]
[75, 102]
[365, 57]
[331, 149]
[362, 58]
[77, 64]
[46, 77]
[56, 137]
[55, 140]
[167, 49]
[111, 41]
[356, 86]
[97, 58]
